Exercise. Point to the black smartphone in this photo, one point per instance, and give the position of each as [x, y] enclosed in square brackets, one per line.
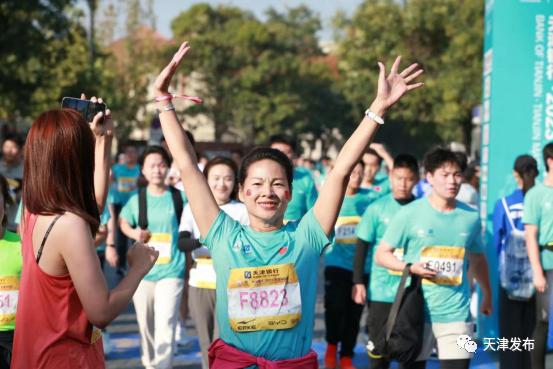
[87, 108]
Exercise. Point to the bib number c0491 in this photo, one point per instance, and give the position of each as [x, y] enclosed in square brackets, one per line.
[447, 261]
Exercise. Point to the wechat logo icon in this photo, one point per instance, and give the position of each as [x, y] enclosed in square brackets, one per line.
[466, 343]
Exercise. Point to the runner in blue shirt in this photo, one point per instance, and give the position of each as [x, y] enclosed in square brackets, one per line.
[267, 272]
[517, 303]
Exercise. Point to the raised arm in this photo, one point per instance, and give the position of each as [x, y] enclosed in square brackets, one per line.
[390, 89]
[203, 205]
[102, 127]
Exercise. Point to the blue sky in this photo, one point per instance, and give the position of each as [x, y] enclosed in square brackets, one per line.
[166, 10]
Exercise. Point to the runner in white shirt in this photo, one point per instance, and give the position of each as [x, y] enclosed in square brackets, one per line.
[221, 174]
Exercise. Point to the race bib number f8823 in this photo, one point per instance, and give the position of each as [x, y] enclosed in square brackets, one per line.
[345, 229]
[264, 298]
[9, 293]
[447, 261]
[162, 243]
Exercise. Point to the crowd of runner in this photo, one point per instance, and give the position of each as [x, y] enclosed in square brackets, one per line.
[236, 244]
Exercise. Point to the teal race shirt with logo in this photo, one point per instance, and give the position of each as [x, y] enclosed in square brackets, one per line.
[443, 240]
[381, 185]
[383, 283]
[163, 225]
[304, 194]
[266, 285]
[538, 210]
[125, 182]
[342, 251]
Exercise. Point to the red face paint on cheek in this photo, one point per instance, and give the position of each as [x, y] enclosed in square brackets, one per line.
[248, 192]
[287, 195]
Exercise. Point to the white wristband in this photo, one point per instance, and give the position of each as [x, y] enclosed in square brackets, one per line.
[377, 118]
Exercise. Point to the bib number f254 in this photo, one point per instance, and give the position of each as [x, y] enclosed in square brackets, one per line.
[264, 298]
[447, 261]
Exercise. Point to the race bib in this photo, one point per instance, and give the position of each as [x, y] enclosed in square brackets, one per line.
[398, 253]
[264, 298]
[345, 229]
[447, 261]
[9, 292]
[203, 274]
[126, 184]
[162, 243]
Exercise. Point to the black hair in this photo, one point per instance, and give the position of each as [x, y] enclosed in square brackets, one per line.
[285, 139]
[439, 156]
[470, 171]
[407, 161]
[463, 160]
[14, 137]
[155, 150]
[373, 152]
[547, 154]
[8, 199]
[220, 160]
[265, 153]
[527, 168]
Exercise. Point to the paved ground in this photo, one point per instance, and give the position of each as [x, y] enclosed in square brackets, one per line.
[126, 352]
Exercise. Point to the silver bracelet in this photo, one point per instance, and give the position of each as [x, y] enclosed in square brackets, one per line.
[376, 118]
[167, 107]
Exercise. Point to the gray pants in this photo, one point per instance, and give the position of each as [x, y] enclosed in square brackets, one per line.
[201, 302]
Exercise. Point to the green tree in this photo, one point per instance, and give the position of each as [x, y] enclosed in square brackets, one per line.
[445, 37]
[260, 78]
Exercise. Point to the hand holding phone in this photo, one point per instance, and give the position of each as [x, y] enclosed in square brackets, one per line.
[87, 108]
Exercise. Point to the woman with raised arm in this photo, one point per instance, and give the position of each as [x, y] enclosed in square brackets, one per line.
[63, 297]
[267, 272]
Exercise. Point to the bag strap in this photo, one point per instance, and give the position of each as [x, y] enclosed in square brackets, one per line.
[177, 202]
[397, 302]
[142, 208]
[39, 253]
[508, 213]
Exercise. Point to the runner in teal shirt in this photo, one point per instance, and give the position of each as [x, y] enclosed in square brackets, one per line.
[382, 283]
[125, 177]
[538, 228]
[342, 314]
[267, 272]
[157, 299]
[440, 236]
[304, 191]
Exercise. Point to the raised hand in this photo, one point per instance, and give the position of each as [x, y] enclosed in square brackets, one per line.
[393, 86]
[101, 124]
[163, 80]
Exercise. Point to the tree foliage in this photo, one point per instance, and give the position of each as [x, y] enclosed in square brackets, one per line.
[445, 37]
[260, 78]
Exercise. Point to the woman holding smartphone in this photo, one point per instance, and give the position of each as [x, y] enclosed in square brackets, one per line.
[63, 297]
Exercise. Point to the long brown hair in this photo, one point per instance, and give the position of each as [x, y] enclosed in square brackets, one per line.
[58, 174]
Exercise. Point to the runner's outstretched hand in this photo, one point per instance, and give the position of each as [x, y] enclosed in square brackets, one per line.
[163, 80]
[393, 86]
